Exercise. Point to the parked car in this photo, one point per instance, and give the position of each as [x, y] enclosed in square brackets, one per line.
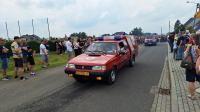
[103, 59]
[150, 41]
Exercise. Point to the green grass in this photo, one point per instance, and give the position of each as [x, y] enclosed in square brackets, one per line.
[54, 61]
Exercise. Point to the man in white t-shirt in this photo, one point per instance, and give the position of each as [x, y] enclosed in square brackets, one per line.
[69, 48]
[44, 53]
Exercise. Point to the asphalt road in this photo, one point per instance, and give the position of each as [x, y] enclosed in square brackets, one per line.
[52, 91]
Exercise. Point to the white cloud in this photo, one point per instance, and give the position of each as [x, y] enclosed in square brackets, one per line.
[92, 16]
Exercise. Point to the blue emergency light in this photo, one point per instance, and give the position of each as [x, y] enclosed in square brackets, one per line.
[109, 38]
[100, 38]
[117, 37]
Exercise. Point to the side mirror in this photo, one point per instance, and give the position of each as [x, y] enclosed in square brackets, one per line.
[122, 52]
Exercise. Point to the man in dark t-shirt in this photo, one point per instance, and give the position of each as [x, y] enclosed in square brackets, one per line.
[181, 46]
[4, 59]
[171, 41]
[181, 41]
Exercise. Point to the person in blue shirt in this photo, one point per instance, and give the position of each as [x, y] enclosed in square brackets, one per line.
[181, 46]
[4, 58]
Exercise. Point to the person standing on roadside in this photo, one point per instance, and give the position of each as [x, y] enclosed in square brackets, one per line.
[191, 75]
[47, 50]
[171, 41]
[44, 53]
[4, 59]
[60, 48]
[31, 60]
[24, 46]
[181, 46]
[69, 49]
[175, 46]
[18, 58]
[77, 47]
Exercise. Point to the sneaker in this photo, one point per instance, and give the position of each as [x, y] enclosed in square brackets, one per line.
[192, 97]
[5, 79]
[16, 77]
[33, 74]
[23, 78]
[44, 66]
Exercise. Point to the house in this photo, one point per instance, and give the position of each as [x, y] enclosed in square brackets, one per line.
[190, 23]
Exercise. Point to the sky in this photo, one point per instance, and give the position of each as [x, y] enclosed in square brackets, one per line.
[95, 17]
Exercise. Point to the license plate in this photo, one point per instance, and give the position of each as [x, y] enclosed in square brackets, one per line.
[82, 73]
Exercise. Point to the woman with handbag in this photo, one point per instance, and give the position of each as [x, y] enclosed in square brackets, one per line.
[191, 76]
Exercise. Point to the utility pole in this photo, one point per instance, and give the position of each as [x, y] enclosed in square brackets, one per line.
[161, 31]
[48, 29]
[7, 31]
[33, 27]
[169, 26]
[19, 28]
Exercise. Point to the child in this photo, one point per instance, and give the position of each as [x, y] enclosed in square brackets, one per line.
[31, 61]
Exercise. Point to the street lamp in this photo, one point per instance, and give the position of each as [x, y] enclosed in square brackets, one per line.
[197, 7]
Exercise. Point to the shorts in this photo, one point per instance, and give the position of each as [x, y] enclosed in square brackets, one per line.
[191, 76]
[45, 58]
[4, 63]
[18, 62]
[31, 60]
[70, 54]
[25, 59]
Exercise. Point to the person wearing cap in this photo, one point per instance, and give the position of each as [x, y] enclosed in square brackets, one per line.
[4, 58]
[18, 58]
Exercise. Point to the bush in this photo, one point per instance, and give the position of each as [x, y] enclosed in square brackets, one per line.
[35, 45]
[52, 45]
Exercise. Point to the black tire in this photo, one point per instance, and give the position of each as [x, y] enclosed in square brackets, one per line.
[80, 80]
[111, 77]
[132, 62]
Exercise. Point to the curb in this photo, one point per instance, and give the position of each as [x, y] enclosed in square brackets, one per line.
[174, 100]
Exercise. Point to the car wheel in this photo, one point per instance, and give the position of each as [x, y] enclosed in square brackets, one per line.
[80, 80]
[132, 62]
[111, 77]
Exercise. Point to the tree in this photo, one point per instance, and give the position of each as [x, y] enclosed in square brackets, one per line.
[191, 29]
[177, 26]
[182, 27]
[81, 35]
[106, 35]
[74, 35]
[136, 31]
